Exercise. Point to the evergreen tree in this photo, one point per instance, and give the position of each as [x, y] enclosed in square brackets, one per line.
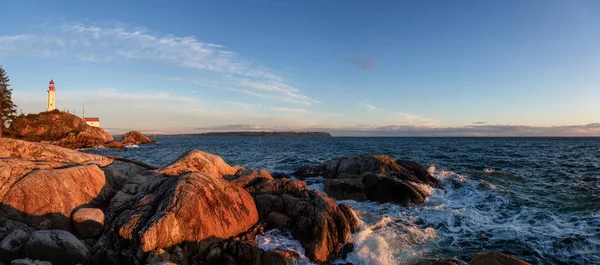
[8, 110]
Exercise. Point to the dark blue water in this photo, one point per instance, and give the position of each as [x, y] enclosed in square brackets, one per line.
[535, 198]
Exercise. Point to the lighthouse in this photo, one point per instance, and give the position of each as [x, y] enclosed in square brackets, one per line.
[51, 97]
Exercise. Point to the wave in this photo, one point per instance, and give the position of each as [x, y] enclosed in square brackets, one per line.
[468, 217]
[275, 239]
[132, 146]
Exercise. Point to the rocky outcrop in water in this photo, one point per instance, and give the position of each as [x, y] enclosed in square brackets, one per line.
[373, 177]
[61, 129]
[135, 137]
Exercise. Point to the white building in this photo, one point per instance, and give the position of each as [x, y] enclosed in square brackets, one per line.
[92, 121]
[51, 97]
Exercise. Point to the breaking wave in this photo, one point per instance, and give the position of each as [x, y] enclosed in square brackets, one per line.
[467, 216]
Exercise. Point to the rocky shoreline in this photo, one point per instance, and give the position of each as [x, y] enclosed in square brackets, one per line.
[69, 131]
[61, 206]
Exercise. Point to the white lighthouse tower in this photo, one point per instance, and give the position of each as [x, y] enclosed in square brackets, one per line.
[51, 97]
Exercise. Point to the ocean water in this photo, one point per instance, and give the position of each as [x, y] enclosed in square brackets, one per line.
[535, 198]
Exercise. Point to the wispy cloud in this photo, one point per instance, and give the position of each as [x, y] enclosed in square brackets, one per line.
[365, 63]
[480, 122]
[92, 43]
[371, 107]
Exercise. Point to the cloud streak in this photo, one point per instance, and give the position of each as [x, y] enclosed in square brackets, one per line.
[371, 107]
[96, 44]
[592, 129]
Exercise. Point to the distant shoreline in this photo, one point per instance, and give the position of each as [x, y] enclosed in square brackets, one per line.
[287, 134]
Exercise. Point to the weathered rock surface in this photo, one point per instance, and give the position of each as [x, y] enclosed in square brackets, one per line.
[313, 218]
[495, 258]
[60, 128]
[50, 194]
[160, 212]
[88, 222]
[135, 137]
[373, 177]
[244, 176]
[42, 152]
[56, 246]
[41, 184]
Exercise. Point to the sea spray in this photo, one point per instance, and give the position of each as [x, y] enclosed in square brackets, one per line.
[275, 239]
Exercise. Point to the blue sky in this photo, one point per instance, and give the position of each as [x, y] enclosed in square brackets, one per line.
[354, 68]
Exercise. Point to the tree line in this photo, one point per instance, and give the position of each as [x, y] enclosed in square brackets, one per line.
[8, 109]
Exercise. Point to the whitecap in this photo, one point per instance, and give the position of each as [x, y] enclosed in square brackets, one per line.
[275, 239]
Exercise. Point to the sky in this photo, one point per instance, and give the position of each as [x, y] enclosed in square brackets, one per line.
[355, 68]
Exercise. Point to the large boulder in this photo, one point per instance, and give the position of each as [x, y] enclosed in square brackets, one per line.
[374, 177]
[41, 184]
[381, 165]
[56, 246]
[495, 258]
[11, 245]
[159, 212]
[46, 198]
[88, 222]
[198, 161]
[314, 219]
[135, 137]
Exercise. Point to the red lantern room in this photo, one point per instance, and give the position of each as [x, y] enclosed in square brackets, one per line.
[51, 87]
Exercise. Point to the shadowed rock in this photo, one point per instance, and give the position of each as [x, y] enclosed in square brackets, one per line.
[56, 246]
[313, 218]
[11, 245]
[245, 176]
[281, 257]
[88, 222]
[373, 177]
[29, 262]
